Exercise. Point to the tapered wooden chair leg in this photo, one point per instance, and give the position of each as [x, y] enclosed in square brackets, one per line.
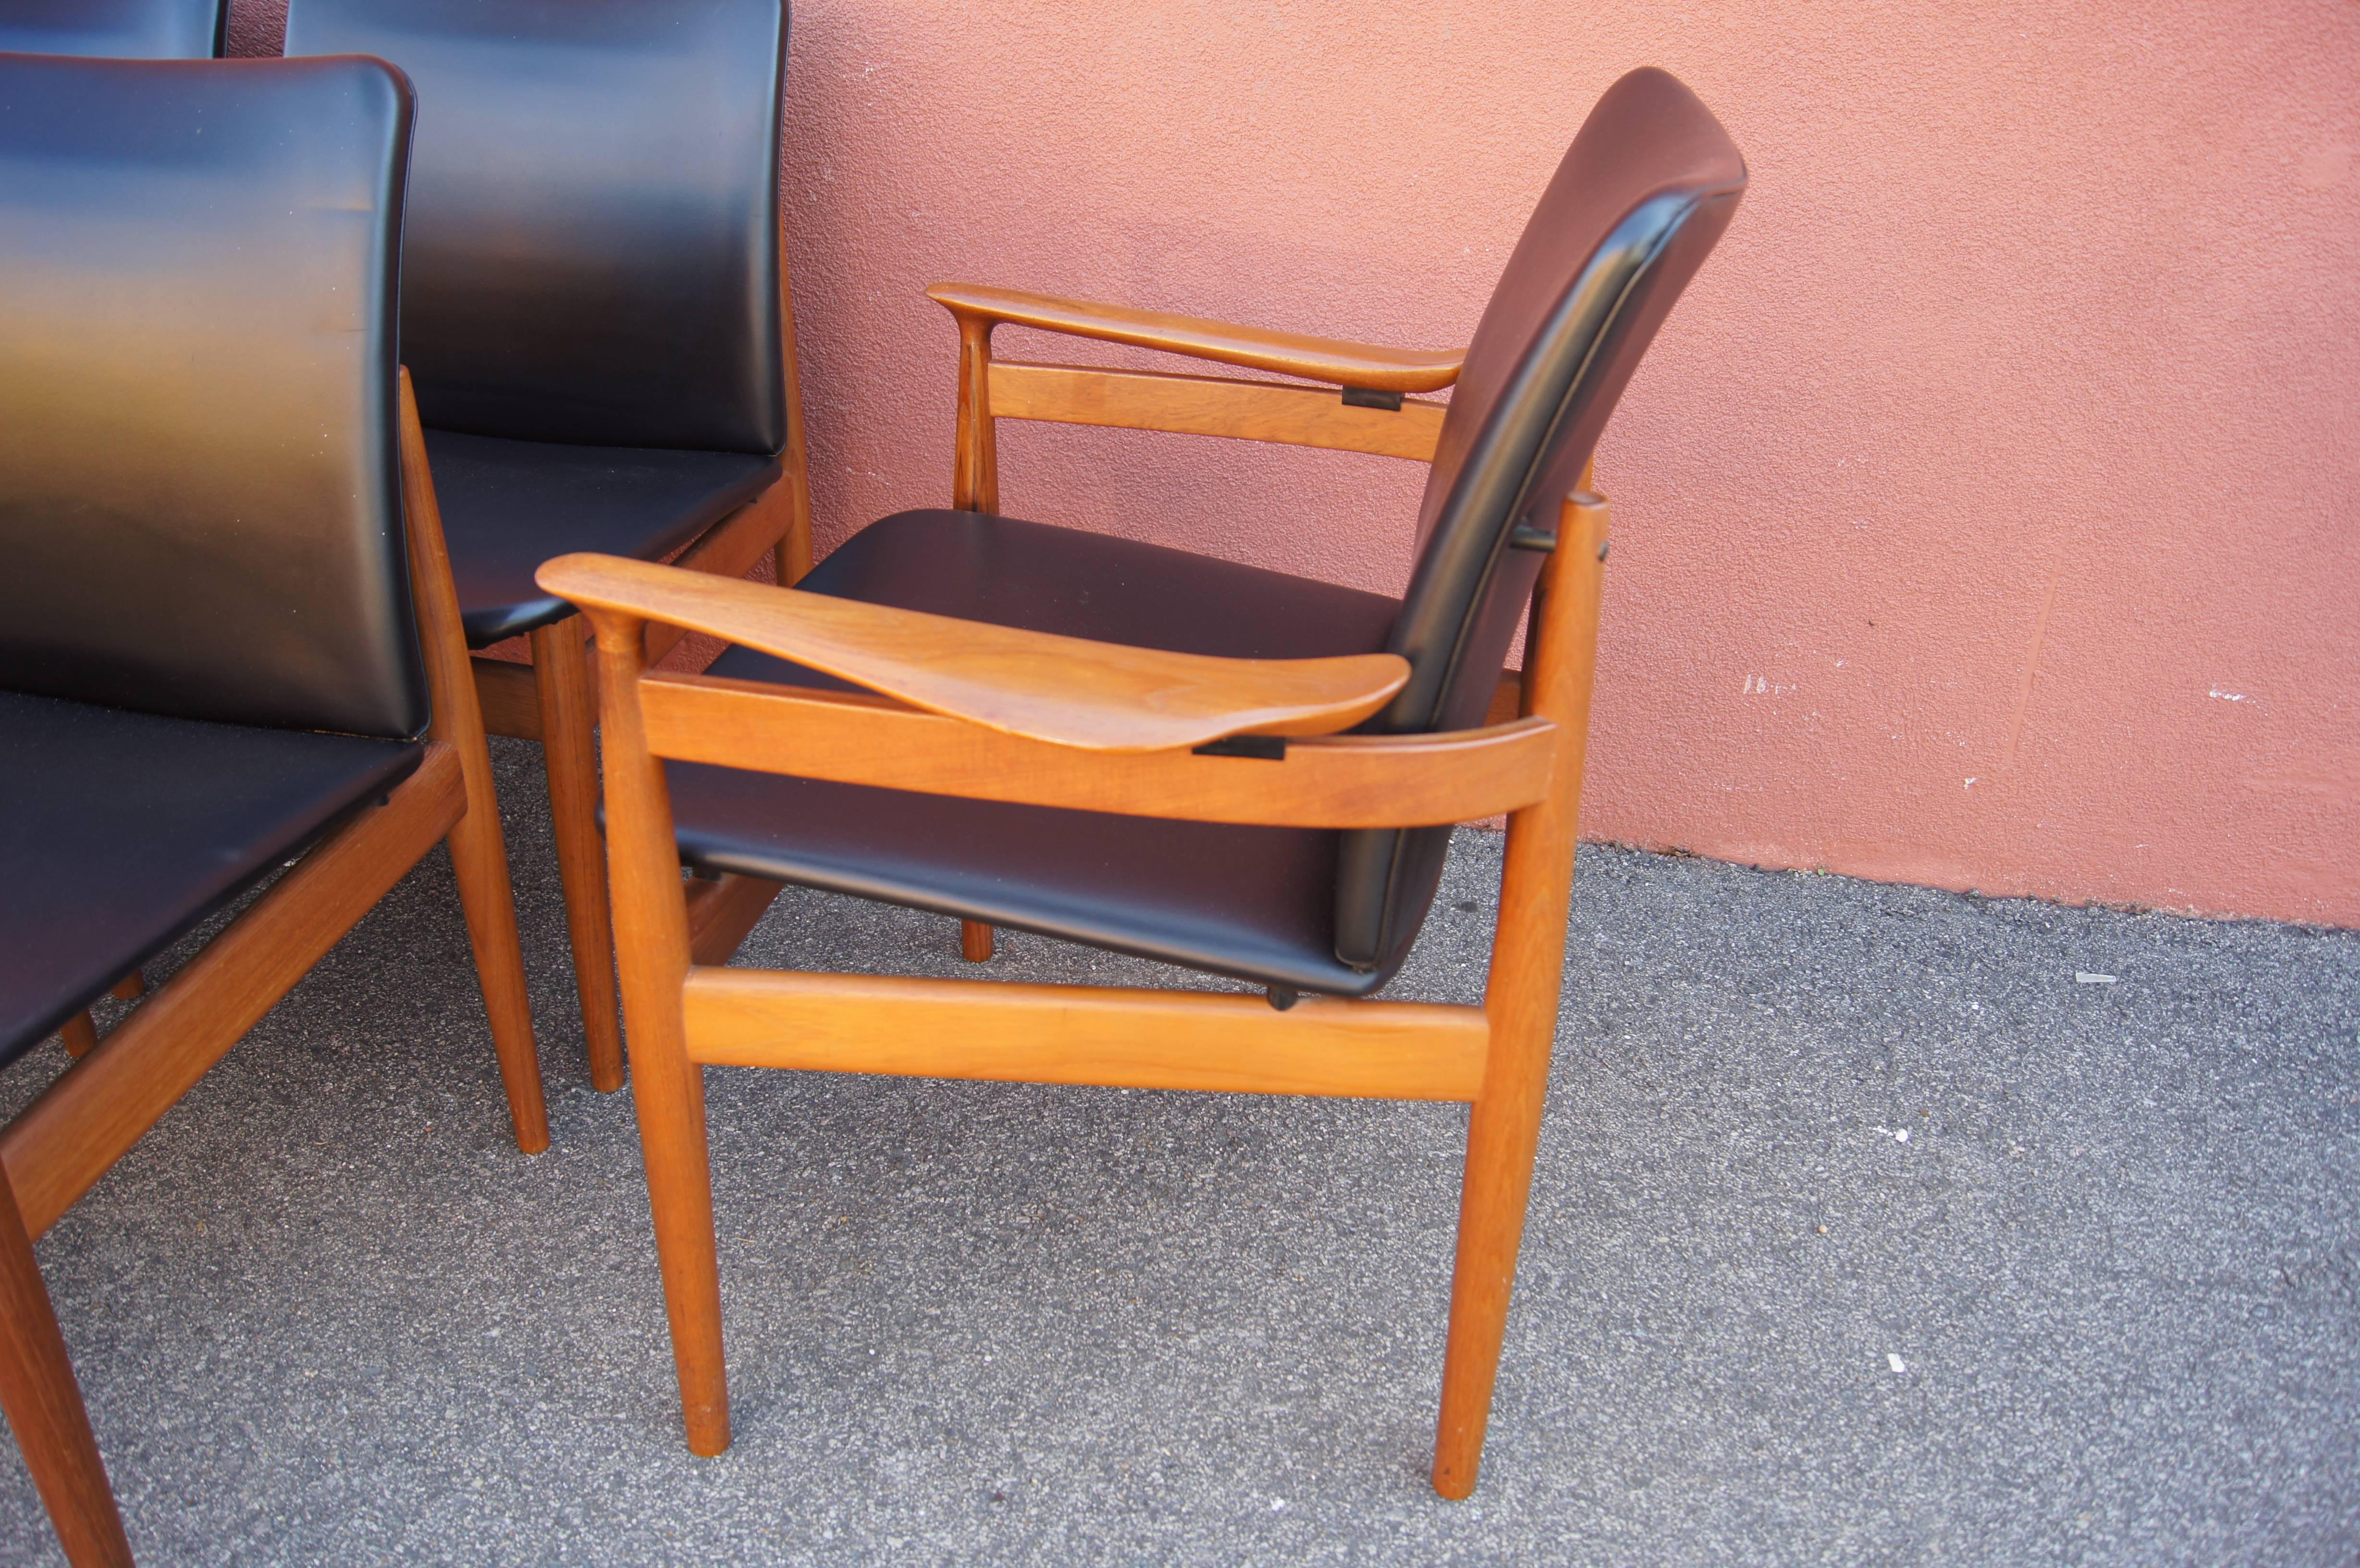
[1521, 998]
[975, 941]
[45, 1409]
[671, 1106]
[479, 859]
[667, 1087]
[79, 1033]
[570, 751]
[131, 987]
[1502, 1134]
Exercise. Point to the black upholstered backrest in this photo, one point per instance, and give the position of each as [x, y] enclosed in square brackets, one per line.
[116, 29]
[1646, 189]
[200, 496]
[592, 252]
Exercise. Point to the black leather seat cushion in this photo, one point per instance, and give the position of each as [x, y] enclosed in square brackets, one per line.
[507, 506]
[121, 830]
[1256, 903]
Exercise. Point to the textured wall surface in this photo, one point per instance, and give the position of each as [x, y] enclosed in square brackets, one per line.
[1985, 513]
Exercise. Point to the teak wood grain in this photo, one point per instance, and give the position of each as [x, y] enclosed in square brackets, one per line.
[1089, 695]
[667, 1089]
[1520, 999]
[1332, 360]
[79, 1035]
[569, 724]
[45, 1409]
[479, 856]
[975, 456]
[1211, 406]
[1340, 781]
[95, 1111]
[1083, 1034]
[792, 548]
[722, 910]
[508, 698]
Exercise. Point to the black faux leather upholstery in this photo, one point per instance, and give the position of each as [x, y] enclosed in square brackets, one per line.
[199, 496]
[1257, 903]
[118, 29]
[593, 247]
[200, 505]
[1645, 190]
[507, 506]
[119, 832]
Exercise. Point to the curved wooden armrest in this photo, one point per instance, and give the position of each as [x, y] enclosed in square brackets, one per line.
[1094, 696]
[1331, 360]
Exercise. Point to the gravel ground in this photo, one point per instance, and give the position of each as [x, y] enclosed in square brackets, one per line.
[2100, 1305]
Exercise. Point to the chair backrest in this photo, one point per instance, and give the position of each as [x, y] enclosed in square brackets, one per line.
[1641, 196]
[117, 29]
[199, 481]
[592, 252]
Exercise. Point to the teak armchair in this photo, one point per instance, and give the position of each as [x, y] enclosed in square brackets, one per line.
[1231, 769]
[213, 664]
[118, 29]
[596, 308]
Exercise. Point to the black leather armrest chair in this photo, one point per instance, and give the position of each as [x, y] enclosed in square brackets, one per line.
[1138, 748]
[594, 307]
[116, 29]
[213, 664]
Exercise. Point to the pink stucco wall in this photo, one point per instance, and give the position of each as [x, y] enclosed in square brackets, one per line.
[1984, 515]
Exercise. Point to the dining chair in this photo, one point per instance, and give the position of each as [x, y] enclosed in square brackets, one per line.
[224, 661]
[119, 29]
[1230, 769]
[595, 311]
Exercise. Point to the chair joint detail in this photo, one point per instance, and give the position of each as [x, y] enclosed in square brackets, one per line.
[1265, 748]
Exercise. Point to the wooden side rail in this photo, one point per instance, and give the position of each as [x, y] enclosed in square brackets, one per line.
[1211, 406]
[1081, 1034]
[1186, 405]
[722, 911]
[1339, 781]
[1333, 360]
[97, 1110]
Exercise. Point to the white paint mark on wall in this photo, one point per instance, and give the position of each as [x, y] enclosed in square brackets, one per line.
[2230, 696]
[1762, 686]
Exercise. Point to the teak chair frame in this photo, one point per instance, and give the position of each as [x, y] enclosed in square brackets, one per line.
[553, 700]
[684, 1012]
[88, 1117]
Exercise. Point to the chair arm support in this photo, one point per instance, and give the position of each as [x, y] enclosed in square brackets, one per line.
[1068, 691]
[1324, 781]
[1331, 360]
